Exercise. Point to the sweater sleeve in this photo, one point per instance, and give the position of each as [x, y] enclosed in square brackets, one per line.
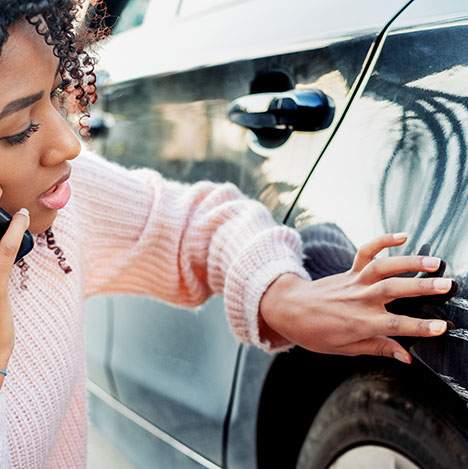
[4, 453]
[180, 243]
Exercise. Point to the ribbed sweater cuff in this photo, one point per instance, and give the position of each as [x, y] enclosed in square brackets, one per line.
[249, 277]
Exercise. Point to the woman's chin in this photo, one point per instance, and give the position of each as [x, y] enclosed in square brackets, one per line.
[40, 223]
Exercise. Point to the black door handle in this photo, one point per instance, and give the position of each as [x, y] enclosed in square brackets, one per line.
[304, 110]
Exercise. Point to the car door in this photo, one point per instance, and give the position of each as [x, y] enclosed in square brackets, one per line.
[399, 163]
[165, 106]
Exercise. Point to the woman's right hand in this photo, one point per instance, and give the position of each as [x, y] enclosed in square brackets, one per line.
[9, 247]
[345, 314]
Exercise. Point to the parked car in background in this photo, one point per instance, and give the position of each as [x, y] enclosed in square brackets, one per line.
[347, 120]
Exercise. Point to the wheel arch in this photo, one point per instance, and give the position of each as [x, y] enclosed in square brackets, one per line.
[299, 382]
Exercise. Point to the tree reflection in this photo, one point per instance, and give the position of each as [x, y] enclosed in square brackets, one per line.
[426, 115]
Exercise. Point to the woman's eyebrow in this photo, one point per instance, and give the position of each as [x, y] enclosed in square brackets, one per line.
[20, 103]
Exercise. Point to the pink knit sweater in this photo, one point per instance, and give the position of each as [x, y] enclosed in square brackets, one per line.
[126, 231]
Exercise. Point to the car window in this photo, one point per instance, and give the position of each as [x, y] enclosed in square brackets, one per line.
[132, 16]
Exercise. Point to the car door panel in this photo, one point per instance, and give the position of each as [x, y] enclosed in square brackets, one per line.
[177, 125]
[398, 163]
[98, 326]
[178, 374]
[170, 366]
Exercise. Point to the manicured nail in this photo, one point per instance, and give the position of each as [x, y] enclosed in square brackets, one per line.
[437, 327]
[23, 211]
[442, 284]
[403, 358]
[400, 236]
[431, 262]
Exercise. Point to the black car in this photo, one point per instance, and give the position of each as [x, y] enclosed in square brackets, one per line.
[347, 120]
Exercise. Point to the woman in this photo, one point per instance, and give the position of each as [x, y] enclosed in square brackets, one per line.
[131, 231]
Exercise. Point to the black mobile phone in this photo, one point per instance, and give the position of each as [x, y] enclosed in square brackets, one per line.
[27, 243]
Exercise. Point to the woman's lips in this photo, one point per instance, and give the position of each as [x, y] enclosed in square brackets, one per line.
[57, 197]
[52, 189]
[57, 182]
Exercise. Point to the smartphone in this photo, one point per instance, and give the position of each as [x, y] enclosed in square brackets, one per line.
[27, 243]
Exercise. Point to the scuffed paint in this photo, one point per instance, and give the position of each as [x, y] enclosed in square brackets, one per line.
[459, 302]
[459, 333]
[458, 388]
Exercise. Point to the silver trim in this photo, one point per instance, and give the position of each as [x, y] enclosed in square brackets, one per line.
[149, 427]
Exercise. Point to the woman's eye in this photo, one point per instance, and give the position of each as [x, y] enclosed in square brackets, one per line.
[23, 136]
[17, 139]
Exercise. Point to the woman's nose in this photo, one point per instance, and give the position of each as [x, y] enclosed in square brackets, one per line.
[61, 144]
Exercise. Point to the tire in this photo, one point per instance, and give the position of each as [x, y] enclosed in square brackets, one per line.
[377, 409]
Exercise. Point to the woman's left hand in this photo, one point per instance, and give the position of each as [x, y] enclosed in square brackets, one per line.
[345, 313]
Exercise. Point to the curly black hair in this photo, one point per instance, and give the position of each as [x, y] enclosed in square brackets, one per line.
[57, 21]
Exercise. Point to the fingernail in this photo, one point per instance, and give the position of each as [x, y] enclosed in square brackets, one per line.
[400, 236]
[23, 211]
[401, 357]
[431, 262]
[437, 327]
[442, 284]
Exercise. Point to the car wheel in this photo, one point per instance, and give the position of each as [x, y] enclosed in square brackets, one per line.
[374, 421]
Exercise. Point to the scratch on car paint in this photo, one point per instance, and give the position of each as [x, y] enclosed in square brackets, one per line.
[460, 302]
[458, 388]
[459, 333]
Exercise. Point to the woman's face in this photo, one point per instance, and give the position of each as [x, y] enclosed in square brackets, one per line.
[30, 166]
